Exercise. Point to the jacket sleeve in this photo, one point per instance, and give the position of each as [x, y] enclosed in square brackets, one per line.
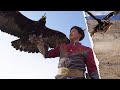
[53, 53]
[91, 65]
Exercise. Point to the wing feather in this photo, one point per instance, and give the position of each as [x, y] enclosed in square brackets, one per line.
[108, 16]
[25, 45]
[111, 14]
[98, 20]
[14, 23]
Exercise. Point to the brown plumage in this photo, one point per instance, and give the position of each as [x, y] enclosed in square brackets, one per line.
[14, 23]
[104, 24]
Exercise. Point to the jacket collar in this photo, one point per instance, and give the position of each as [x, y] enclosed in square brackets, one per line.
[74, 43]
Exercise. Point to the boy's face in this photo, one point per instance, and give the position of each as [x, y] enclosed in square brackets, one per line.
[74, 35]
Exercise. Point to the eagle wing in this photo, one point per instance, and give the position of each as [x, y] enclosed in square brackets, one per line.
[111, 14]
[50, 37]
[15, 23]
[98, 20]
[24, 45]
[54, 37]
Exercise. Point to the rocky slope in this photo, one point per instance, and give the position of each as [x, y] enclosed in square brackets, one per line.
[107, 49]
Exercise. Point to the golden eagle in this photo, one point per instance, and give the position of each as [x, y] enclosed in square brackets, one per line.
[104, 24]
[15, 23]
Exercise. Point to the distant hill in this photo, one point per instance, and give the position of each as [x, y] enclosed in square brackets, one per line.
[117, 17]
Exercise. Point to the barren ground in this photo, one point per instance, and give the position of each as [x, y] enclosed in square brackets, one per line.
[107, 50]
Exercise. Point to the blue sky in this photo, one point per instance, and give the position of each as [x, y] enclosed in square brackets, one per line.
[16, 65]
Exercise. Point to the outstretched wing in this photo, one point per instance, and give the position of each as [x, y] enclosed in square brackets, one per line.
[14, 23]
[50, 37]
[111, 14]
[98, 20]
[54, 37]
[24, 45]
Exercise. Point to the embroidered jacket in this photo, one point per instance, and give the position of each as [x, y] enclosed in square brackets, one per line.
[76, 56]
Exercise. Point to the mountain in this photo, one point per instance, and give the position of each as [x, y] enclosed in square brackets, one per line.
[116, 17]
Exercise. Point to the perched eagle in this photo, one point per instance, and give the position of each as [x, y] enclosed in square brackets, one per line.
[15, 23]
[104, 24]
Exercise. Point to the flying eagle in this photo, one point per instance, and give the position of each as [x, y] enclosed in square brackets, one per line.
[15, 23]
[104, 24]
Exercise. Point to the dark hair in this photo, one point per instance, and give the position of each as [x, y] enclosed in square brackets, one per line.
[80, 30]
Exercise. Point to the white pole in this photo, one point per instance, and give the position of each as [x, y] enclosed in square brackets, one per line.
[95, 58]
